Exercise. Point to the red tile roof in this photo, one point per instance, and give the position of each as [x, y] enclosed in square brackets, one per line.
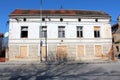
[21, 12]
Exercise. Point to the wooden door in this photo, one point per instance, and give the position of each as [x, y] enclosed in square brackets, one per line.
[61, 52]
[98, 50]
[43, 53]
[23, 51]
[80, 51]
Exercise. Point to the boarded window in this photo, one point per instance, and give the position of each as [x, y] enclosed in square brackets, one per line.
[23, 51]
[80, 51]
[61, 52]
[98, 50]
[44, 48]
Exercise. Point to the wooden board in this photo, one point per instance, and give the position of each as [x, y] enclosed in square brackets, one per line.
[61, 52]
[80, 51]
[43, 53]
[98, 50]
[23, 51]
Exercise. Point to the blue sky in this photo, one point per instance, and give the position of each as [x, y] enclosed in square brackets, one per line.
[7, 6]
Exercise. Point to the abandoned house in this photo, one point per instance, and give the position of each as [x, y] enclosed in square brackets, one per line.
[116, 37]
[41, 35]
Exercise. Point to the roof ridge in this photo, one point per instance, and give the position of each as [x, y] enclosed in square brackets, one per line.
[63, 9]
[59, 12]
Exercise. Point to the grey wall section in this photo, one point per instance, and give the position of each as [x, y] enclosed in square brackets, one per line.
[14, 50]
[52, 51]
[33, 50]
[89, 49]
[106, 48]
[71, 51]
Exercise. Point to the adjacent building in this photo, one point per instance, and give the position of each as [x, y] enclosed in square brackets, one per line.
[116, 37]
[1, 42]
[40, 35]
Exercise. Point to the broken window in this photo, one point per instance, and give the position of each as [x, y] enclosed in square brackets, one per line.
[96, 31]
[24, 32]
[43, 31]
[61, 31]
[79, 31]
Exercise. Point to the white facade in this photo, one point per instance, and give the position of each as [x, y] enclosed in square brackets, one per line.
[70, 41]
